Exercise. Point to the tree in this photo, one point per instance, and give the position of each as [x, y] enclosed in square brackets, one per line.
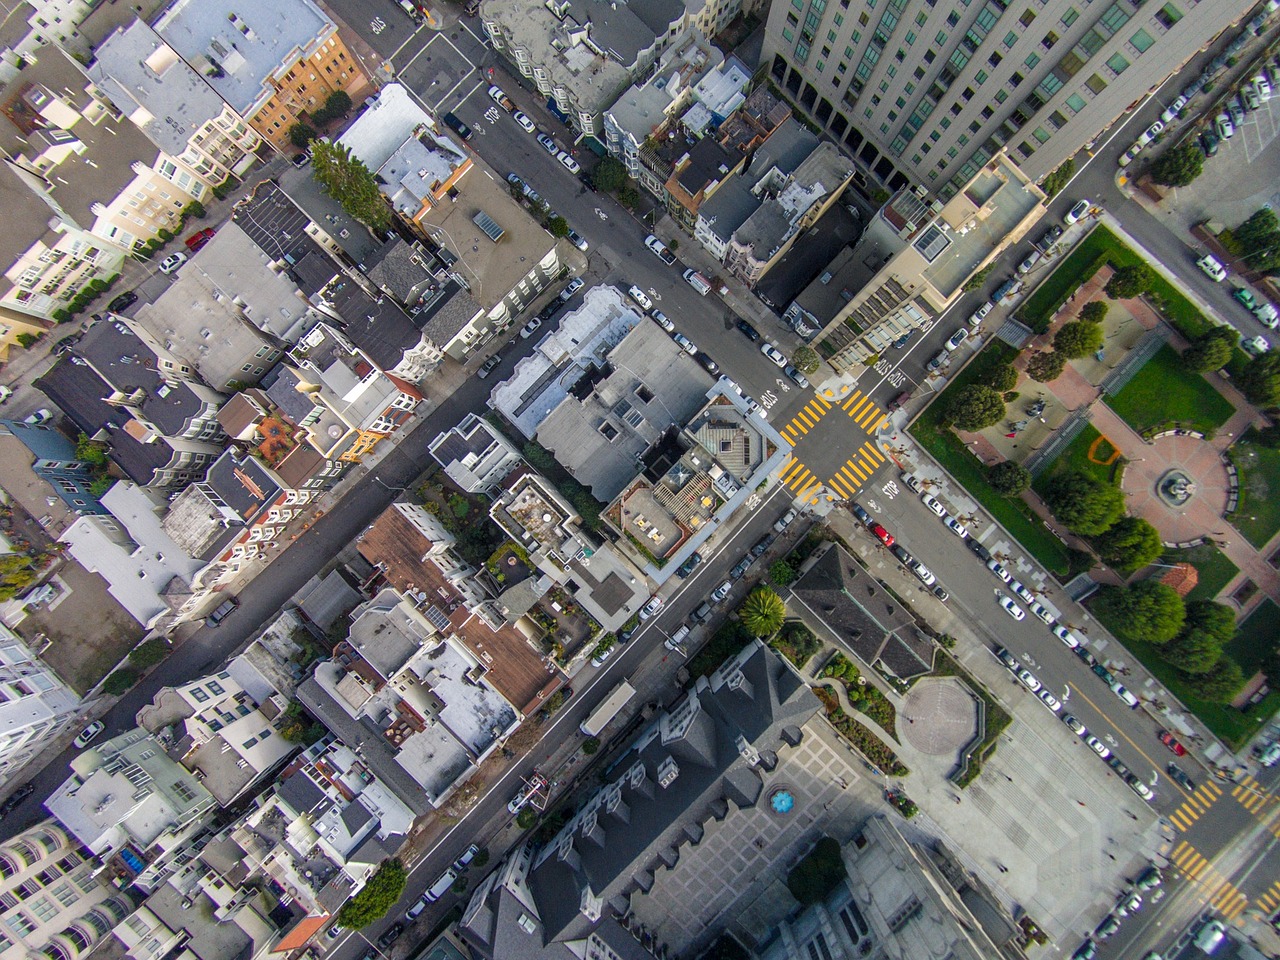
[1219, 683]
[1055, 181]
[1179, 166]
[337, 104]
[1077, 339]
[1192, 651]
[806, 359]
[1129, 282]
[120, 682]
[1214, 618]
[974, 407]
[978, 279]
[1260, 380]
[1212, 350]
[1008, 478]
[1046, 367]
[590, 745]
[1002, 378]
[526, 818]
[1084, 503]
[348, 180]
[558, 227]
[1149, 611]
[379, 894]
[762, 612]
[1131, 543]
[781, 573]
[1095, 311]
[1259, 240]
[301, 135]
[609, 175]
[90, 452]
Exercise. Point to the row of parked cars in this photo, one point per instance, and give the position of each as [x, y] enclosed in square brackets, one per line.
[1130, 902]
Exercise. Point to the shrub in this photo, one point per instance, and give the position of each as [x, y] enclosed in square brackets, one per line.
[806, 359]
[1259, 236]
[149, 653]
[120, 681]
[526, 818]
[1002, 378]
[1077, 339]
[301, 135]
[1131, 543]
[379, 894]
[590, 745]
[558, 227]
[781, 573]
[1060, 177]
[1219, 683]
[1095, 311]
[1260, 380]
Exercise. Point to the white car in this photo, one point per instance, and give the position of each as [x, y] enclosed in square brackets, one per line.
[1042, 613]
[1066, 636]
[1021, 592]
[1226, 129]
[1028, 680]
[1153, 131]
[650, 608]
[1049, 700]
[497, 96]
[924, 573]
[639, 297]
[599, 659]
[530, 328]
[999, 571]
[1141, 789]
[956, 527]
[89, 733]
[571, 288]
[934, 505]
[774, 354]
[729, 383]
[1097, 746]
[1127, 157]
[1262, 87]
[1255, 346]
[663, 321]
[1212, 268]
[957, 338]
[1011, 607]
[659, 249]
[980, 314]
[722, 591]
[1077, 212]
[1076, 727]
[172, 262]
[685, 344]
[548, 144]
[525, 123]
[753, 406]
[569, 163]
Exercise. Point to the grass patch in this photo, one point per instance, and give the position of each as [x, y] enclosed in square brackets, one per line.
[729, 640]
[1215, 569]
[862, 739]
[945, 447]
[1230, 725]
[1257, 515]
[1255, 638]
[997, 718]
[796, 642]
[1081, 455]
[820, 872]
[1165, 394]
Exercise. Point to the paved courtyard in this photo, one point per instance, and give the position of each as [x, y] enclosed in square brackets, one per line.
[938, 717]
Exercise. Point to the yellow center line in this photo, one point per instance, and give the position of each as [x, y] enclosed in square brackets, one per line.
[1129, 740]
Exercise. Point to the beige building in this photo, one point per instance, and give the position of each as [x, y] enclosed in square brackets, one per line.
[55, 906]
[929, 249]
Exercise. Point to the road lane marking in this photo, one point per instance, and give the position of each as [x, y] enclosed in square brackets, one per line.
[802, 477]
[851, 401]
[870, 448]
[1127, 739]
[791, 471]
[864, 421]
[858, 408]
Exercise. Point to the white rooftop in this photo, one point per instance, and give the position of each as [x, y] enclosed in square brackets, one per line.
[723, 90]
[411, 172]
[388, 121]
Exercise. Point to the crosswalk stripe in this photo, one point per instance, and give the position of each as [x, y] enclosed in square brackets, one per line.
[1253, 803]
[1182, 845]
[1177, 822]
[1216, 887]
[859, 408]
[795, 466]
[851, 401]
[1236, 908]
[835, 484]
[868, 415]
[884, 422]
[857, 470]
[800, 480]
[869, 466]
[820, 402]
[806, 418]
[1189, 811]
[815, 411]
[879, 457]
[809, 485]
[1267, 901]
[799, 425]
[1235, 794]
[1188, 853]
[850, 478]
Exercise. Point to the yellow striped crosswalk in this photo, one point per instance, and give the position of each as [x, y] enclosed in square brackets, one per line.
[1270, 901]
[1219, 893]
[855, 471]
[1251, 795]
[1198, 803]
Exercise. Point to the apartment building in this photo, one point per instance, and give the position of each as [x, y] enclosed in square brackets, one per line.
[56, 906]
[928, 93]
[475, 455]
[56, 462]
[273, 63]
[36, 707]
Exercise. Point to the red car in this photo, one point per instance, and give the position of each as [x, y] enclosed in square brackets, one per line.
[1172, 743]
[883, 535]
[198, 240]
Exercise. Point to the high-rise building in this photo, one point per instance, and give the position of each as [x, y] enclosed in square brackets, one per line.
[928, 92]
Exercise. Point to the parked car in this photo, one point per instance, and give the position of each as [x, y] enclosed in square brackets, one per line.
[980, 314]
[488, 366]
[1011, 607]
[300, 160]
[722, 591]
[457, 126]
[525, 123]
[685, 344]
[198, 239]
[934, 506]
[122, 302]
[650, 608]
[640, 297]
[1177, 775]
[663, 321]
[500, 98]
[571, 288]
[903, 340]
[956, 527]
[1097, 746]
[172, 262]
[530, 328]
[978, 550]
[796, 376]
[687, 567]
[579, 241]
[784, 521]
[1210, 265]
[760, 546]
[567, 161]
[1066, 636]
[1170, 741]
[659, 249]
[1078, 210]
[391, 934]
[1209, 143]
[774, 354]
[994, 566]
[548, 144]
[1224, 127]
[750, 332]
[883, 535]
[89, 734]
[11, 802]
[741, 567]
[1029, 263]
[957, 338]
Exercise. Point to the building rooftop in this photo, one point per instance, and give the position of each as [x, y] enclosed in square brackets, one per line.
[347, 232]
[345, 374]
[786, 148]
[823, 171]
[386, 122]
[722, 90]
[836, 231]
[755, 120]
[649, 385]
[417, 171]
[708, 162]
[29, 216]
[241, 484]
[273, 221]
[728, 208]
[238, 46]
[153, 87]
[377, 326]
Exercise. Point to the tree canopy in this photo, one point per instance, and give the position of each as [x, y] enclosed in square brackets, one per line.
[379, 894]
[1008, 478]
[762, 612]
[1045, 367]
[1129, 544]
[1212, 350]
[1002, 378]
[806, 359]
[974, 407]
[1095, 311]
[1131, 281]
[1077, 339]
[1192, 651]
[348, 180]
[609, 175]
[1179, 166]
[1219, 683]
[1259, 240]
[1084, 503]
[1260, 380]
[558, 227]
[1148, 611]
[1215, 618]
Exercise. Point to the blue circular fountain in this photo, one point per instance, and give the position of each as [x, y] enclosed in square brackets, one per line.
[782, 801]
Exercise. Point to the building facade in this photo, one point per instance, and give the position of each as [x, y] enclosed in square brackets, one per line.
[57, 464]
[927, 93]
[36, 707]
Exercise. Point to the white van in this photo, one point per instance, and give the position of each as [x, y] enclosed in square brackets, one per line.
[1216, 271]
[673, 642]
[1210, 937]
[441, 886]
[697, 281]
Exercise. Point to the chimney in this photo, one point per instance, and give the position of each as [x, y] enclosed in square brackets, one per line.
[738, 681]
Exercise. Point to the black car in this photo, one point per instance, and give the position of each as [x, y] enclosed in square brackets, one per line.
[123, 302]
[981, 552]
[1089, 659]
[862, 514]
[941, 593]
[1209, 144]
[686, 568]
[1180, 778]
[761, 545]
[16, 798]
[1049, 237]
[901, 553]
[392, 934]
[740, 570]
[1104, 673]
[749, 331]
[457, 126]
[708, 364]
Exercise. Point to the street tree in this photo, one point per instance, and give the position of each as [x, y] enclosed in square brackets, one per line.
[346, 179]
[301, 135]
[1219, 683]
[1077, 339]
[1008, 478]
[1003, 378]
[762, 612]
[781, 573]
[1046, 367]
[1179, 166]
[379, 894]
[1259, 240]
[1260, 380]
[1083, 502]
[558, 227]
[806, 359]
[1148, 611]
[609, 175]
[1215, 618]
[1095, 311]
[1192, 651]
[1129, 544]
[975, 407]
[1129, 282]
[1212, 350]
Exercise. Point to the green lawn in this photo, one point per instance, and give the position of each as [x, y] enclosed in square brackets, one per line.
[1258, 514]
[1229, 724]
[1076, 458]
[1255, 638]
[1101, 247]
[969, 472]
[1213, 566]
[1164, 394]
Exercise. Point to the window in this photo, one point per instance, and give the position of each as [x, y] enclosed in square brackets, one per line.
[1118, 64]
[1026, 19]
[1001, 96]
[981, 77]
[1168, 15]
[1049, 40]
[995, 59]
[1075, 103]
[1010, 39]
[1032, 60]
[1096, 83]
[940, 39]
[953, 18]
[1142, 41]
